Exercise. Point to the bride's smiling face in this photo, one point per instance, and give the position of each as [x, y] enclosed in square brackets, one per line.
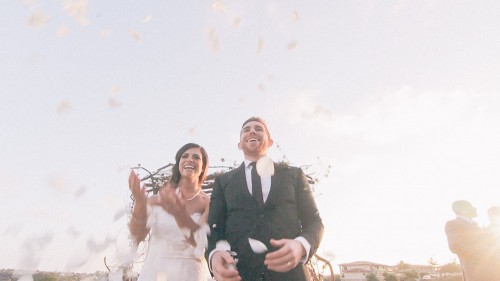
[191, 163]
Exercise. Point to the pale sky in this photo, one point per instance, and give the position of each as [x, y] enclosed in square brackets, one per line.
[400, 97]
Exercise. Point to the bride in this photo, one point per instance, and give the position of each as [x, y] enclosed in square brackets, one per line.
[175, 220]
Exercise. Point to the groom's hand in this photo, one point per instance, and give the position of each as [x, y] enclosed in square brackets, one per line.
[288, 255]
[224, 267]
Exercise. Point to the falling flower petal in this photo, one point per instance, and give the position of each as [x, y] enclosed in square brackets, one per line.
[78, 9]
[213, 40]
[260, 45]
[99, 247]
[63, 107]
[12, 229]
[192, 131]
[236, 21]
[38, 19]
[265, 166]
[105, 32]
[257, 246]
[223, 245]
[262, 87]
[242, 100]
[115, 90]
[32, 250]
[79, 192]
[217, 6]
[295, 16]
[292, 45]
[76, 261]
[114, 103]
[119, 214]
[57, 183]
[147, 19]
[73, 231]
[31, 3]
[135, 35]
[63, 31]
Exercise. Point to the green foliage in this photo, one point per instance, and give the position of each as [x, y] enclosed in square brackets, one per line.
[46, 277]
[432, 262]
[403, 266]
[409, 276]
[371, 277]
[389, 277]
[452, 267]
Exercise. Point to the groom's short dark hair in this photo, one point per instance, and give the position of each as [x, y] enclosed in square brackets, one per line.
[260, 120]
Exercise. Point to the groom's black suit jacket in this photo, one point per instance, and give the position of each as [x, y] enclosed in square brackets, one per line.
[289, 211]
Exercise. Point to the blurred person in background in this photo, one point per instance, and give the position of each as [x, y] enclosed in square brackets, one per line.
[466, 240]
[492, 241]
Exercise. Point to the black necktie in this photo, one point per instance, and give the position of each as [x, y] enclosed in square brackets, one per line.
[256, 186]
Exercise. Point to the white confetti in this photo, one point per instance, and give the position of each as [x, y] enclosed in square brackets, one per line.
[78, 9]
[217, 6]
[236, 21]
[120, 213]
[223, 245]
[105, 32]
[147, 19]
[260, 45]
[99, 247]
[265, 166]
[262, 87]
[63, 31]
[135, 35]
[295, 16]
[213, 40]
[257, 246]
[38, 19]
[63, 107]
[79, 192]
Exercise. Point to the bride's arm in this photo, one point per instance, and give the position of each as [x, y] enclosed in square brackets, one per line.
[138, 223]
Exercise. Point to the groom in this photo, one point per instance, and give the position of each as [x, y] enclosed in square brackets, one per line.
[277, 209]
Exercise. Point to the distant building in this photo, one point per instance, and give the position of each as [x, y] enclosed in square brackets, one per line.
[357, 271]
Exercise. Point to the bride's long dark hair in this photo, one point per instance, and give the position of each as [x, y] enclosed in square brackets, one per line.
[176, 174]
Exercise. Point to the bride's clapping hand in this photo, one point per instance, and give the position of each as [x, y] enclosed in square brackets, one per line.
[171, 200]
[139, 193]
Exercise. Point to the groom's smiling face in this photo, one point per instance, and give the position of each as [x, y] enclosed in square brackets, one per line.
[254, 139]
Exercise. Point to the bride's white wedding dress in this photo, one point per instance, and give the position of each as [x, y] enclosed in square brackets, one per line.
[170, 257]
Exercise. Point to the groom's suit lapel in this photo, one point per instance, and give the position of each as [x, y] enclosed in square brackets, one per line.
[242, 182]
